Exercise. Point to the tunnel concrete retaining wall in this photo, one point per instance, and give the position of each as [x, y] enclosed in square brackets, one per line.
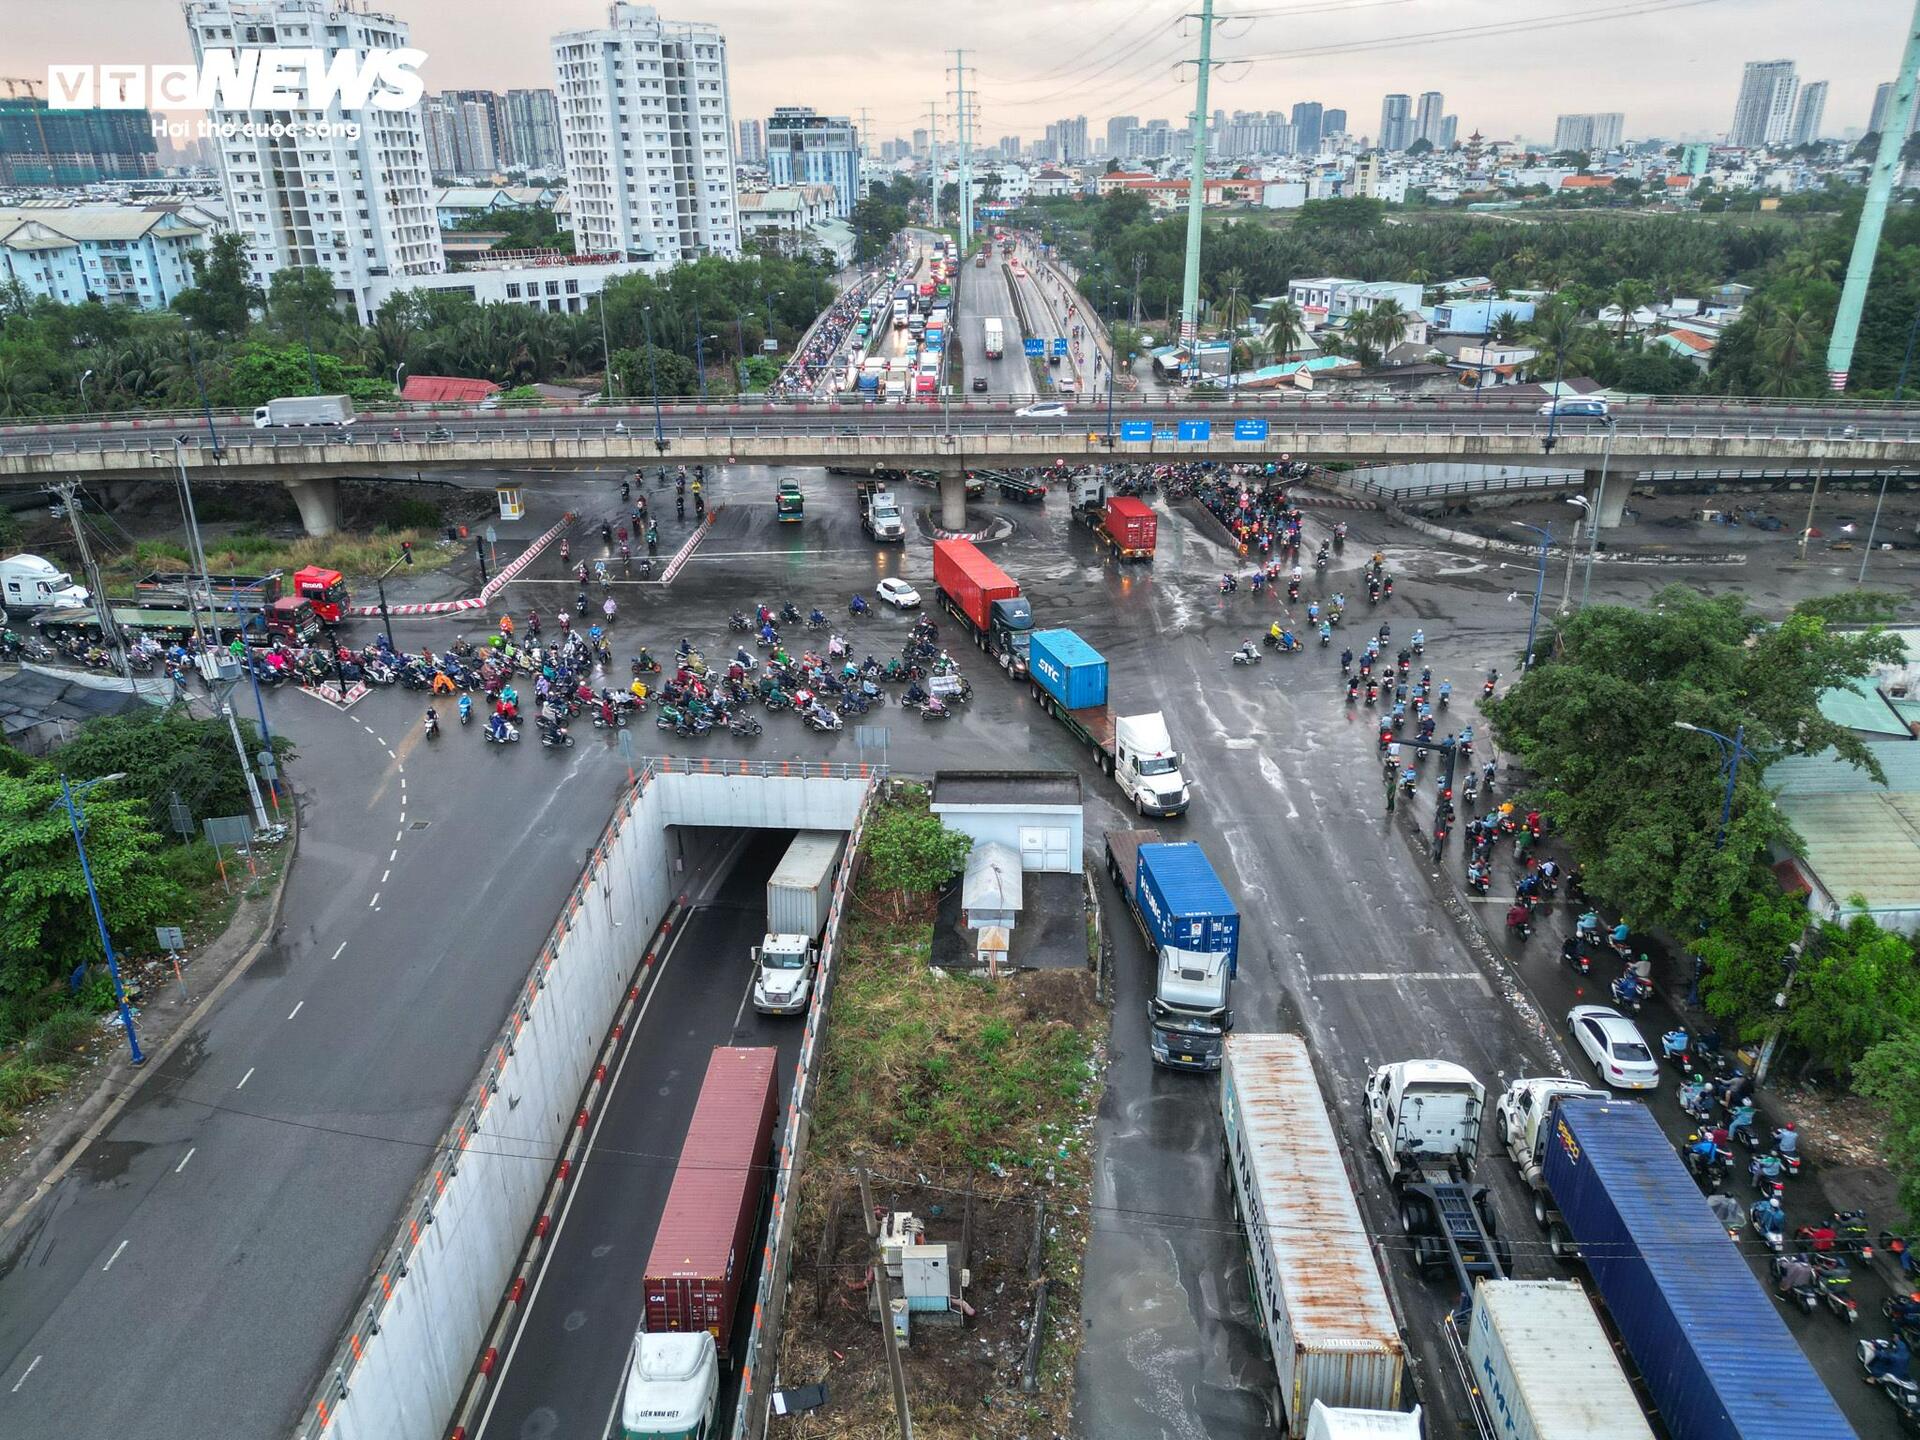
[414, 1338]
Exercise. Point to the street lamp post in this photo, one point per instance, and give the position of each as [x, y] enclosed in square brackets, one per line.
[653, 373]
[1593, 515]
[1732, 748]
[1539, 585]
[69, 797]
[700, 360]
[85, 375]
[606, 354]
[1553, 410]
[396, 377]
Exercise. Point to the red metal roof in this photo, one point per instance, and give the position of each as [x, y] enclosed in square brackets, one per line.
[447, 389]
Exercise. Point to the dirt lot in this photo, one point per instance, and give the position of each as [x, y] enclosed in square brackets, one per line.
[940, 1084]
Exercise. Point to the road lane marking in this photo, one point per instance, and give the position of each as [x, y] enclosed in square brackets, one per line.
[1470, 977]
[399, 833]
[336, 953]
[113, 1257]
[740, 1014]
[374, 903]
[26, 1372]
[246, 1077]
[295, 1011]
[403, 782]
[391, 853]
[403, 817]
[390, 754]
[183, 1160]
[593, 1136]
[383, 876]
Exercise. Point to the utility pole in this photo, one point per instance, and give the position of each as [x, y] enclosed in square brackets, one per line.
[1197, 195]
[933, 166]
[68, 491]
[963, 113]
[1806, 533]
[1873, 214]
[860, 158]
[902, 1411]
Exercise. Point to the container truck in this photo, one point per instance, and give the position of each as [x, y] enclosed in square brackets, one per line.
[1069, 679]
[1324, 1422]
[30, 582]
[167, 590]
[703, 1246]
[996, 338]
[1322, 1301]
[1123, 524]
[1423, 1119]
[1523, 1120]
[1707, 1340]
[982, 597]
[1538, 1365]
[880, 513]
[672, 1389]
[1193, 930]
[304, 410]
[799, 893]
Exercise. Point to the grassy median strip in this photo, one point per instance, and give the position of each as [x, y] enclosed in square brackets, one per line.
[968, 1099]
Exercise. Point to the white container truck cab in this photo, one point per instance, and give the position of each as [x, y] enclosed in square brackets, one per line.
[799, 894]
[673, 1388]
[1146, 766]
[1325, 1422]
[304, 410]
[29, 583]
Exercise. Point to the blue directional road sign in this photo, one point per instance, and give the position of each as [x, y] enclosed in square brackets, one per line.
[1136, 431]
[1249, 429]
[1163, 431]
[1036, 347]
[1059, 344]
[1196, 429]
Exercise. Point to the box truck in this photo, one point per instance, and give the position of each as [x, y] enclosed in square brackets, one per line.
[1069, 679]
[304, 410]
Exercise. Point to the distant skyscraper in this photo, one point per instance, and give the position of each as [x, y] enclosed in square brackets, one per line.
[1117, 129]
[1449, 131]
[1810, 114]
[357, 208]
[1763, 114]
[1307, 117]
[919, 142]
[1333, 122]
[438, 117]
[1010, 146]
[805, 148]
[1882, 98]
[39, 146]
[533, 130]
[661, 188]
[1597, 133]
[1427, 120]
[752, 147]
[474, 150]
[1396, 122]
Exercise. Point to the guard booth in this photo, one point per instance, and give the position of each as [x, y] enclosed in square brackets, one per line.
[511, 506]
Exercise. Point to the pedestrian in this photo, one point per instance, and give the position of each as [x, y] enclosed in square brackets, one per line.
[1693, 985]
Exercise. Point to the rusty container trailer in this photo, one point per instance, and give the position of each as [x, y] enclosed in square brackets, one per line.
[703, 1248]
[1323, 1303]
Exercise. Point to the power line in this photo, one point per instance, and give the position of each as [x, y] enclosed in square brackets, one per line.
[1476, 32]
[1075, 64]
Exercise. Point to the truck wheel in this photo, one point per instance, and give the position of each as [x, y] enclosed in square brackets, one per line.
[1541, 1209]
[1560, 1244]
[1413, 1216]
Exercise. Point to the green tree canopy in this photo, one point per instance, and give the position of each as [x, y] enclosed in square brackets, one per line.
[222, 297]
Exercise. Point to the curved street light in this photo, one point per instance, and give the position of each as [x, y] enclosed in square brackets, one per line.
[1539, 584]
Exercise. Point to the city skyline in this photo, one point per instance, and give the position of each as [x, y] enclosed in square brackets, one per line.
[1511, 85]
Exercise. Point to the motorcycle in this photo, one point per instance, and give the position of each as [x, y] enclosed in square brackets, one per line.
[1575, 955]
[740, 623]
[508, 735]
[1833, 1282]
[1630, 992]
[433, 727]
[1886, 1365]
[822, 719]
[744, 725]
[1247, 654]
[1769, 1223]
[858, 606]
[934, 709]
[1804, 1294]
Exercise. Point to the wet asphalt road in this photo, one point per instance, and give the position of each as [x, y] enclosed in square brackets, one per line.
[1350, 937]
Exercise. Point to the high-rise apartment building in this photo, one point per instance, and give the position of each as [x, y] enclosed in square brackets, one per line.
[751, 148]
[805, 148]
[357, 208]
[1810, 114]
[1596, 133]
[533, 131]
[1428, 119]
[1117, 129]
[39, 146]
[1307, 116]
[1067, 139]
[1333, 122]
[1449, 132]
[1763, 115]
[1010, 147]
[473, 136]
[646, 126]
[1396, 122]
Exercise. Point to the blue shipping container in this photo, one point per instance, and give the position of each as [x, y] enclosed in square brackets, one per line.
[1717, 1358]
[1185, 904]
[1069, 669]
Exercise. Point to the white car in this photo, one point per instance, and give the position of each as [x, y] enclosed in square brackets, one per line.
[1578, 407]
[898, 593]
[1612, 1042]
[1042, 410]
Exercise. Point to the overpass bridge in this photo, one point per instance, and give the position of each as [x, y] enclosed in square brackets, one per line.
[951, 437]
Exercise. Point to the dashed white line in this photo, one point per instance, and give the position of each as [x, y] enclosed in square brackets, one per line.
[295, 1011]
[374, 903]
[390, 754]
[403, 782]
[403, 817]
[383, 876]
[113, 1257]
[398, 834]
[26, 1372]
[183, 1160]
[336, 953]
[246, 1077]
[391, 853]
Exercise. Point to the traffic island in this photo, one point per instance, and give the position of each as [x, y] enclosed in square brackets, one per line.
[969, 1103]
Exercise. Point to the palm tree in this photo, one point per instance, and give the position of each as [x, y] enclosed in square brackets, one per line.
[1628, 296]
[1233, 309]
[1506, 328]
[1286, 328]
[1388, 324]
[1787, 342]
[1253, 353]
[1363, 338]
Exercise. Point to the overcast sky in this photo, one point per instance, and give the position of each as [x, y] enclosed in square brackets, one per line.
[1673, 67]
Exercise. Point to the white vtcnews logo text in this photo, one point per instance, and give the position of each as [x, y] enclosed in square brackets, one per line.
[246, 80]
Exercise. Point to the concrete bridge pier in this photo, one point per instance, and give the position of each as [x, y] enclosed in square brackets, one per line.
[319, 501]
[953, 501]
[1609, 505]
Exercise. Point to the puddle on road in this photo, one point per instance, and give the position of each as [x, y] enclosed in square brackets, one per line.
[108, 1160]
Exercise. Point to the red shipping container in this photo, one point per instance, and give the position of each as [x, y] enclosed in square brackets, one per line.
[701, 1252]
[970, 579]
[1132, 525]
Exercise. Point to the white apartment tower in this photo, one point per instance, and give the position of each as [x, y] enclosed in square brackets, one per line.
[646, 124]
[1763, 115]
[359, 208]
